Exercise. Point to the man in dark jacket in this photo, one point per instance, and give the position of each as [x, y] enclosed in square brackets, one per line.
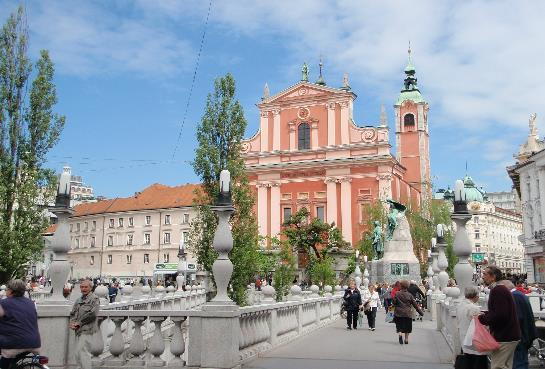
[18, 324]
[526, 323]
[502, 319]
[352, 298]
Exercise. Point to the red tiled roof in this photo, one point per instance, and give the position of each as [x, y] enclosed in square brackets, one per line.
[156, 196]
[50, 230]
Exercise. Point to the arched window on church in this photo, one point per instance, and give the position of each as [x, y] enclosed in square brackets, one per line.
[408, 120]
[303, 136]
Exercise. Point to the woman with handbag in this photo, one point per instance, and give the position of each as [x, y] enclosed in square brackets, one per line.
[403, 316]
[371, 308]
[466, 311]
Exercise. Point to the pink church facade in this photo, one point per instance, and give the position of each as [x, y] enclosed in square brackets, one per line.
[309, 152]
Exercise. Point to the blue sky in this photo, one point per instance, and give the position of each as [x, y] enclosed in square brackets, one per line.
[124, 71]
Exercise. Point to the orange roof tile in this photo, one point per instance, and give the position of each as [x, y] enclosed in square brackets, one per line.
[156, 196]
[50, 230]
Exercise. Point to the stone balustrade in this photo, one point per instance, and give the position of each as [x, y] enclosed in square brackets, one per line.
[154, 332]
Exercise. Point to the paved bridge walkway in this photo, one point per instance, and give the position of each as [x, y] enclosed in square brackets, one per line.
[334, 347]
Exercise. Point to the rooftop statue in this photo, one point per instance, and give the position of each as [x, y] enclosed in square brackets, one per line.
[378, 245]
[395, 209]
[304, 72]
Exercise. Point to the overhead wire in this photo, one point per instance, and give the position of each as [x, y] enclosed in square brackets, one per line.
[193, 80]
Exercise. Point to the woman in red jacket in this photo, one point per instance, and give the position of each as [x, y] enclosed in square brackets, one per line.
[396, 289]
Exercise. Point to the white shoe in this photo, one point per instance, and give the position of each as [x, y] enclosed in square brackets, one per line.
[370, 328]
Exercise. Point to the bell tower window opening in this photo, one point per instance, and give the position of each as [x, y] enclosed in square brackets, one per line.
[303, 136]
[408, 120]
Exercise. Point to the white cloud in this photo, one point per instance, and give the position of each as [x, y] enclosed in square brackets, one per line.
[89, 39]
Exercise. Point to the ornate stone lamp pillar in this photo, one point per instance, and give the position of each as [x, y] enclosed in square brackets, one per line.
[357, 271]
[430, 272]
[59, 270]
[442, 261]
[223, 242]
[181, 279]
[215, 330]
[365, 274]
[434, 265]
[463, 270]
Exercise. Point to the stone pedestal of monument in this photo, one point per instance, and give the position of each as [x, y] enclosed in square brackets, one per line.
[399, 261]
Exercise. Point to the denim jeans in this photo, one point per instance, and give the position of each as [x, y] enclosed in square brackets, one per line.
[520, 360]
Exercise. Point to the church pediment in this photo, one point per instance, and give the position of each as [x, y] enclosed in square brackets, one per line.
[304, 90]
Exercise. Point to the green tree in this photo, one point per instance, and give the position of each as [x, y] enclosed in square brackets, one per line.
[321, 270]
[284, 271]
[219, 136]
[28, 130]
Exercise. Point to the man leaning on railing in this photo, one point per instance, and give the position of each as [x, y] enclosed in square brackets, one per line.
[83, 320]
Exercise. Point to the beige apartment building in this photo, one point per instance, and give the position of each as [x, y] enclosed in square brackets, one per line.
[134, 236]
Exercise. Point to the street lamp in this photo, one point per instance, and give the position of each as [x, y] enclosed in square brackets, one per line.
[181, 279]
[463, 271]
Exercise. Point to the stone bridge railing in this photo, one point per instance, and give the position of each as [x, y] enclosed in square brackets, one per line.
[147, 334]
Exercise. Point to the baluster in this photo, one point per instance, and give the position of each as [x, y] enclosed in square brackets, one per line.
[97, 345]
[253, 330]
[117, 344]
[241, 335]
[157, 343]
[177, 345]
[137, 346]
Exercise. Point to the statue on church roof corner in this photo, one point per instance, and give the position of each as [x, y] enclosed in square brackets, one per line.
[378, 245]
[396, 209]
[304, 72]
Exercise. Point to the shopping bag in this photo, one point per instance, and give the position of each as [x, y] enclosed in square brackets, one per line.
[389, 316]
[482, 339]
[467, 343]
[360, 319]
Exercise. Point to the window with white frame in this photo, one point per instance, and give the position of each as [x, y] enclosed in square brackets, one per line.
[166, 237]
[86, 227]
[320, 213]
[148, 219]
[120, 222]
[76, 243]
[93, 241]
[477, 247]
[129, 239]
[147, 238]
[166, 258]
[286, 213]
[110, 259]
[71, 227]
[110, 240]
[146, 258]
[129, 259]
[185, 237]
[185, 219]
[131, 222]
[77, 227]
[477, 234]
[94, 227]
[167, 219]
[92, 261]
[112, 223]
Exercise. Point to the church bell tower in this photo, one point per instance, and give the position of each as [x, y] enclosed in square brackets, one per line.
[412, 135]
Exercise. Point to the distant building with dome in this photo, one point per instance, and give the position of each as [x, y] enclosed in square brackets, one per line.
[493, 231]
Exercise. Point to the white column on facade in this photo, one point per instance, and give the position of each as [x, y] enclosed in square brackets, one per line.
[384, 186]
[345, 131]
[291, 126]
[264, 130]
[525, 200]
[331, 200]
[541, 196]
[275, 209]
[346, 208]
[331, 124]
[262, 208]
[276, 129]
[532, 200]
[314, 135]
